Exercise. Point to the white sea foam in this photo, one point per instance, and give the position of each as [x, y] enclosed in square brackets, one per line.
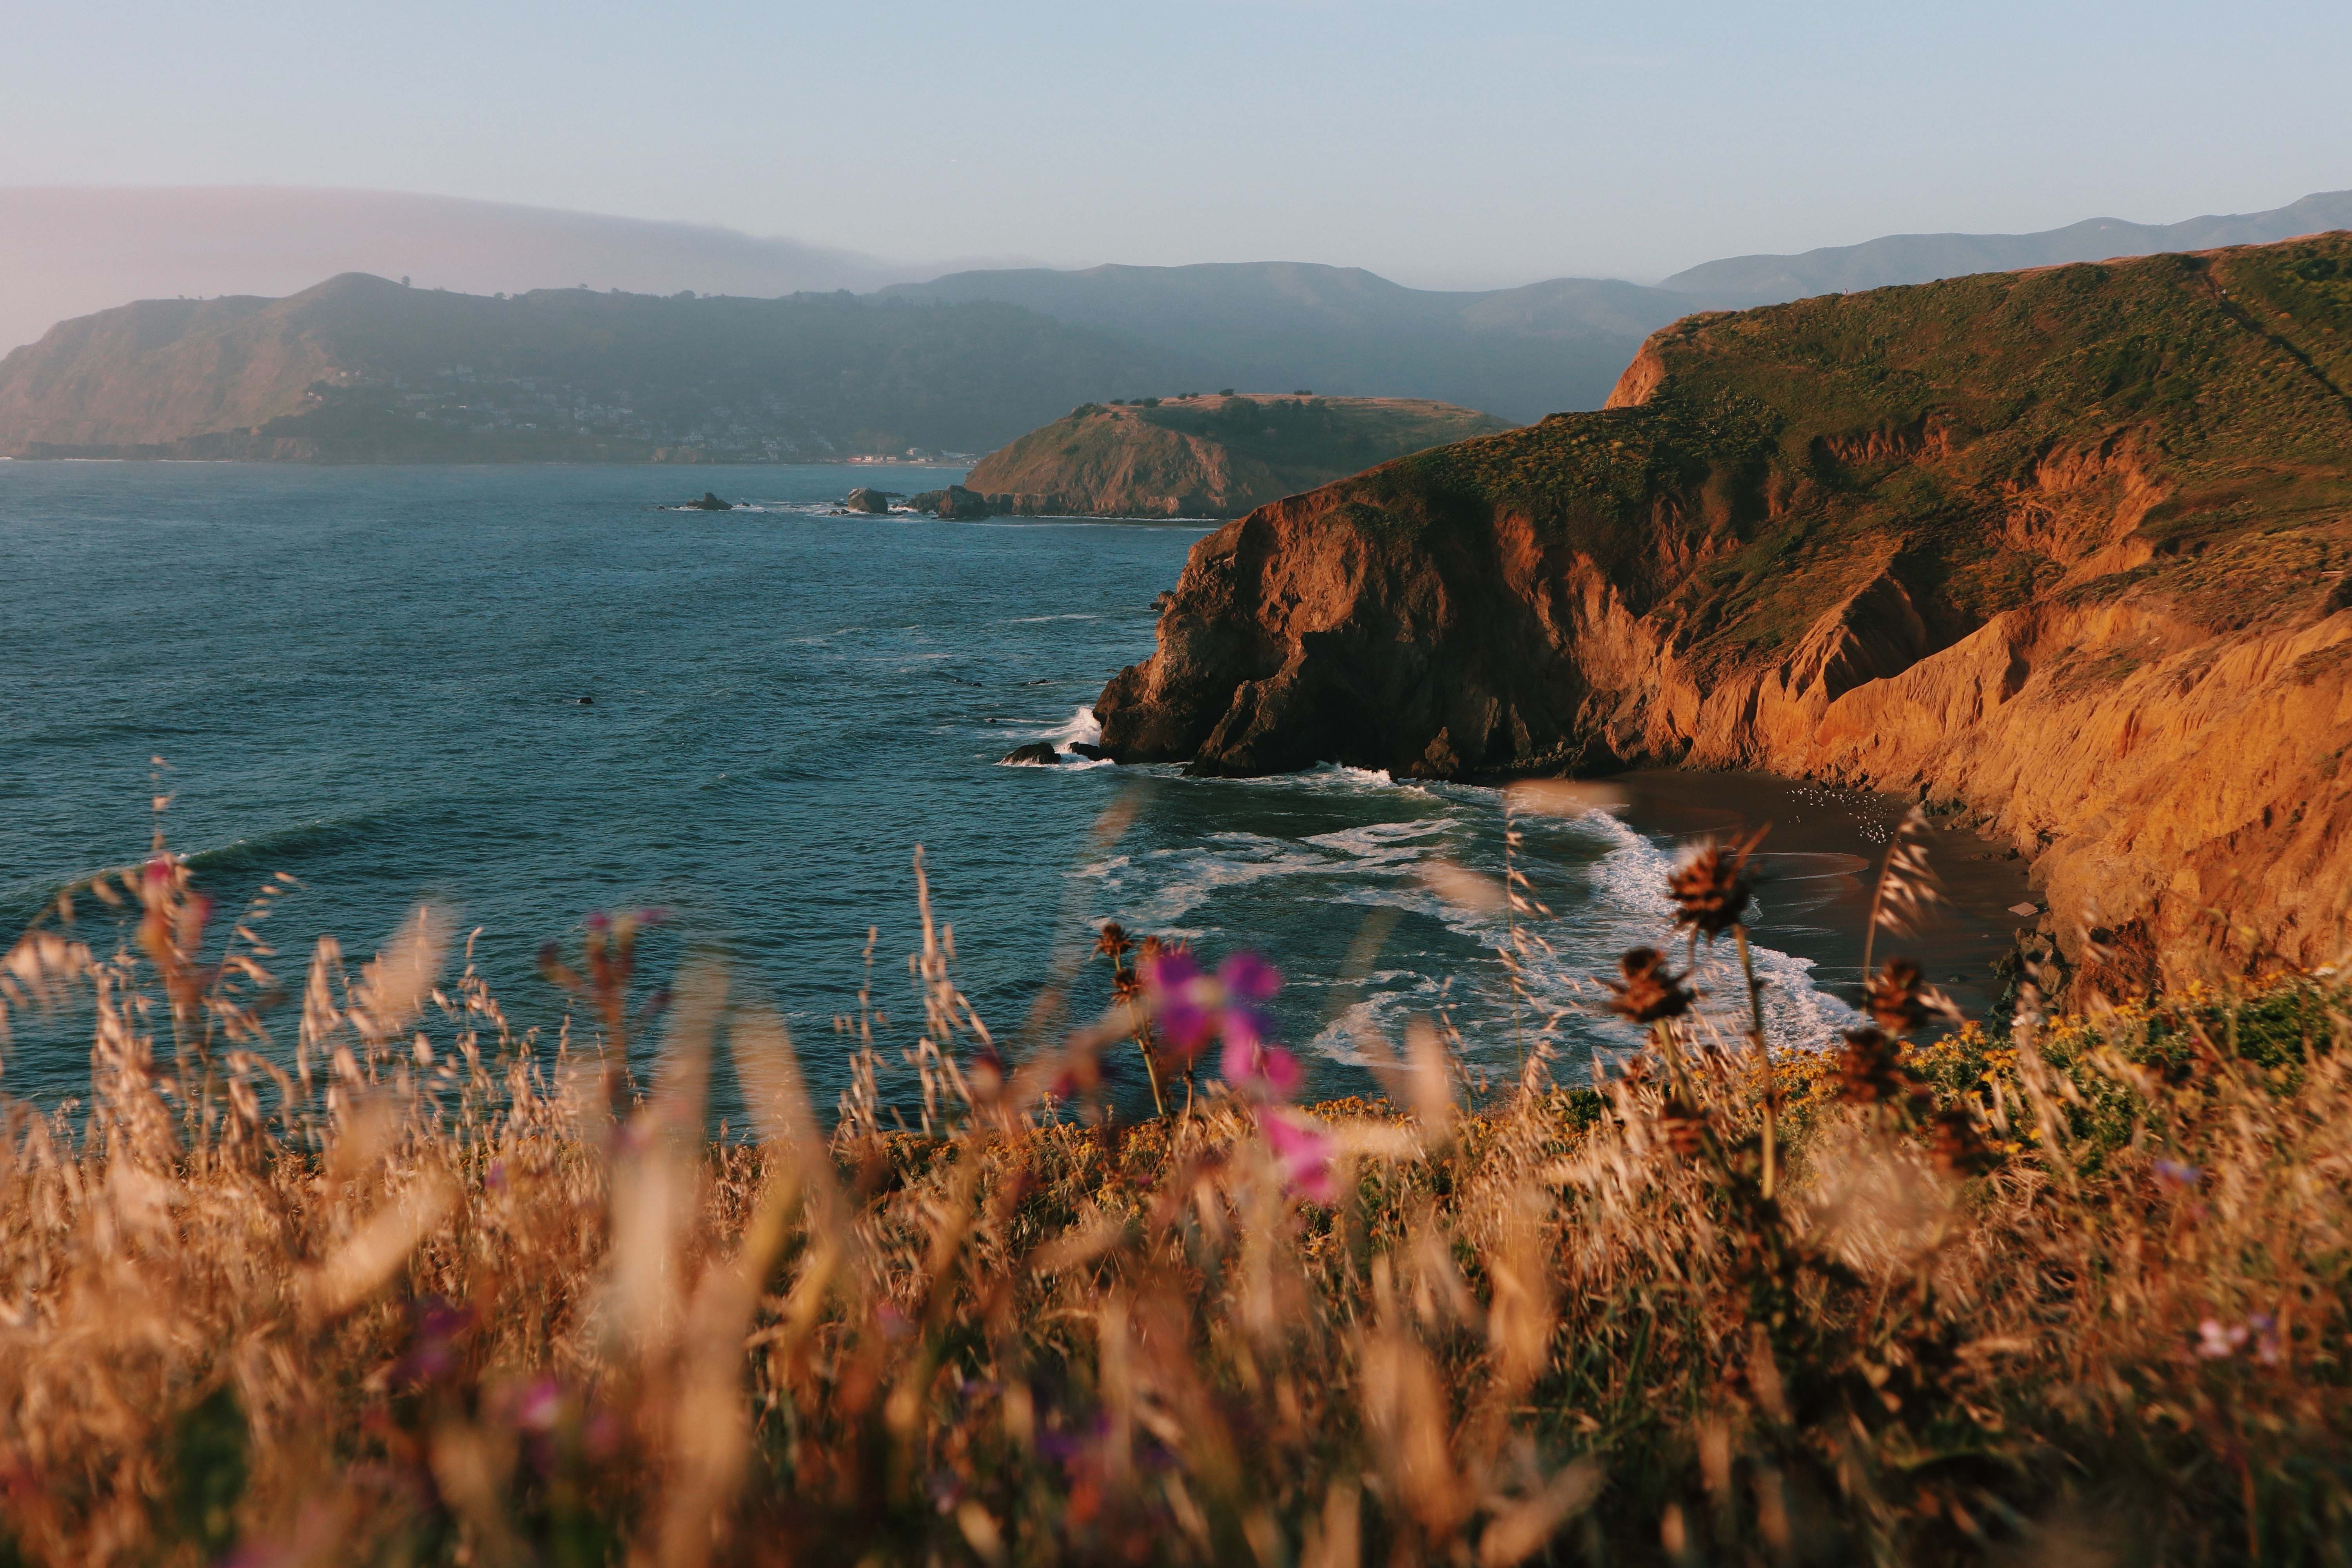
[1631, 878]
[1622, 903]
[1163, 885]
[1082, 729]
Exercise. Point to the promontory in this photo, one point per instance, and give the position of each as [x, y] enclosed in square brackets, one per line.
[1208, 456]
[2063, 550]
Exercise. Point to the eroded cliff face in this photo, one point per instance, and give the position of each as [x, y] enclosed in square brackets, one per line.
[2068, 548]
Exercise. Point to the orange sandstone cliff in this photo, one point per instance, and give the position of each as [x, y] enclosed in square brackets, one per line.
[2066, 548]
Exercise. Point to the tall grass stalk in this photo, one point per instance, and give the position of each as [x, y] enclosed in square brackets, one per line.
[449, 1291]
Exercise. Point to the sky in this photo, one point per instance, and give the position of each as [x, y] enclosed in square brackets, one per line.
[1441, 145]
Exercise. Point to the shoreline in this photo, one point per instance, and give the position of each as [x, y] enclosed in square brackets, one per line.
[1815, 906]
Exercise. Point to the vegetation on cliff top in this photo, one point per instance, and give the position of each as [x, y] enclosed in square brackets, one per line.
[1801, 442]
[1215, 456]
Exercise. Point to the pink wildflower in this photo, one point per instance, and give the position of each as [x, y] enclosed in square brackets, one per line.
[2215, 1343]
[1302, 1153]
[1193, 1008]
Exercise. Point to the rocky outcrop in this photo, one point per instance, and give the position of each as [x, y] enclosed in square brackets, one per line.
[957, 504]
[866, 500]
[1208, 456]
[2068, 549]
[1036, 754]
[710, 502]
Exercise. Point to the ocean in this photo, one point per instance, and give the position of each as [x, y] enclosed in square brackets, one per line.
[526, 694]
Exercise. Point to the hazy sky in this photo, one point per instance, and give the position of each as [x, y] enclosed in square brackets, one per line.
[1460, 145]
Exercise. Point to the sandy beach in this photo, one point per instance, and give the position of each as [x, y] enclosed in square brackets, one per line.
[1818, 860]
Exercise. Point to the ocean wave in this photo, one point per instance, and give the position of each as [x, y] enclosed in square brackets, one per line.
[1632, 879]
[1337, 777]
[1611, 896]
[273, 850]
[1159, 886]
[1081, 729]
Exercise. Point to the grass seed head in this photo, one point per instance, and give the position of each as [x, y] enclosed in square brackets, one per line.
[1650, 991]
[1711, 886]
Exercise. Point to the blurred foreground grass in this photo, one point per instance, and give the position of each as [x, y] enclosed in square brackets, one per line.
[434, 1291]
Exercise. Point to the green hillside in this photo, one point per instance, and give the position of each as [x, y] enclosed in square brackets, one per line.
[1210, 456]
[359, 369]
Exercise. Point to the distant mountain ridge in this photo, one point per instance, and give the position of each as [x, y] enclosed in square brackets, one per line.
[1519, 354]
[70, 251]
[1745, 281]
[985, 354]
[363, 369]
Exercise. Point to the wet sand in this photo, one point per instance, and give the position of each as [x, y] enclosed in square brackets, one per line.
[1818, 863]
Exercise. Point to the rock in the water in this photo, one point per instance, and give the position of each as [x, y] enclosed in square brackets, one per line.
[1036, 754]
[957, 504]
[1092, 754]
[864, 500]
[710, 502]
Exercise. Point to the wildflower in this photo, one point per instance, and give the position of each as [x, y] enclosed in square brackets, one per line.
[1898, 999]
[1302, 1153]
[1193, 1008]
[435, 1327]
[1870, 1070]
[1685, 1126]
[1650, 991]
[1113, 942]
[1711, 888]
[2268, 1349]
[2215, 1343]
[2177, 1174]
[985, 1074]
[1249, 977]
[538, 1405]
[1184, 1000]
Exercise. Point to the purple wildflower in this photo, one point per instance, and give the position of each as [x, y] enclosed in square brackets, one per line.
[1302, 1153]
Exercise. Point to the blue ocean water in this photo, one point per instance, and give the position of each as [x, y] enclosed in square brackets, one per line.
[371, 678]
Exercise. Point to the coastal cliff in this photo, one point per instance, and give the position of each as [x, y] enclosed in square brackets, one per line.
[2064, 549]
[1209, 456]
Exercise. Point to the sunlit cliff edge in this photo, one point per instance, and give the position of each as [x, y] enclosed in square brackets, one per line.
[2065, 549]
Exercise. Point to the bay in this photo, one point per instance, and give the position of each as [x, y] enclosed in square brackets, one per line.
[374, 679]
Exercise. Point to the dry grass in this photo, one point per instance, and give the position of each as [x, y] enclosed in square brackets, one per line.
[422, 1289]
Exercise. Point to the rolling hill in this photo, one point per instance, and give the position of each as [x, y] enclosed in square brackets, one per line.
[1744, 281]
[360, 369]
[1208, 456]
